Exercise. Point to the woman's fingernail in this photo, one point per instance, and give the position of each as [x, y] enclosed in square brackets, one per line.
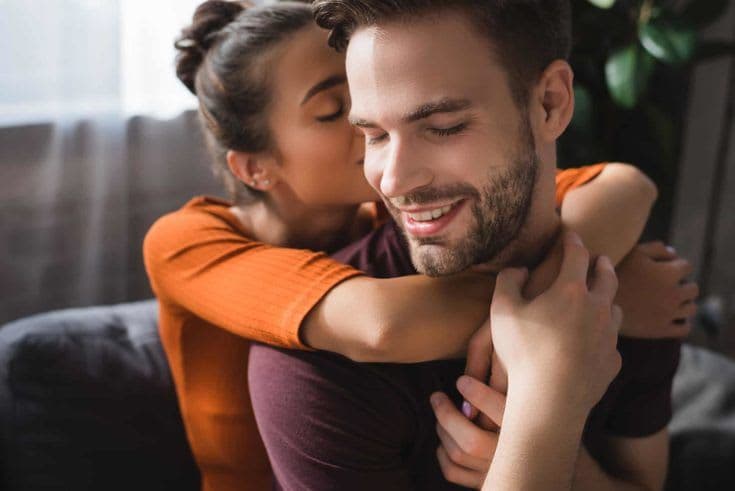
[671, 250]
[435, 399]
[466, 409]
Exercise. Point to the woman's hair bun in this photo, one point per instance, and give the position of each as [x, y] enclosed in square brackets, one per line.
[196, 39]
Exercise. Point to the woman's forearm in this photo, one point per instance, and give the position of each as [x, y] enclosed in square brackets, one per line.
[609, 213]
[402, 320]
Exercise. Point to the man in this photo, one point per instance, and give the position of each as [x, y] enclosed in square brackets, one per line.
[461, 104]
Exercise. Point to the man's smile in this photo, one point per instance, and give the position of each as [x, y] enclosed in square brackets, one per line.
[428, 221]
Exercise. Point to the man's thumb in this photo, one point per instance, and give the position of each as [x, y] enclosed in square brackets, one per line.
[509, 284]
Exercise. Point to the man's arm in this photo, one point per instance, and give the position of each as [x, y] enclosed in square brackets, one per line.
[635, 464]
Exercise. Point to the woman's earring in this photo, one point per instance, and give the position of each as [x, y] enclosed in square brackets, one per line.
[267, 182]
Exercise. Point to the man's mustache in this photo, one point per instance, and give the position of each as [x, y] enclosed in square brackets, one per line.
[432, 195]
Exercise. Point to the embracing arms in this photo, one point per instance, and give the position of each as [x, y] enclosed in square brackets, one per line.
[413, 319]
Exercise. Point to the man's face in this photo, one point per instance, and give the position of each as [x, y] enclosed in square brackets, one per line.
[446, 146]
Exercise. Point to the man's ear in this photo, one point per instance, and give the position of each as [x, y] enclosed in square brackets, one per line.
[554, 100]
[255, 170]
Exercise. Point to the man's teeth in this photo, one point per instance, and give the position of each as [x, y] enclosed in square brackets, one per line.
[427, 216]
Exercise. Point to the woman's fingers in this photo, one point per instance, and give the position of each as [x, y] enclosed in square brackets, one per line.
[457, 474]
[657, 250]
[483, 397]
[688, 291]
[471, 439]
[459, 456]
[687, 310]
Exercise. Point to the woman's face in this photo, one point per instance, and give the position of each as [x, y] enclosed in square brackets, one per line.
[320, 155]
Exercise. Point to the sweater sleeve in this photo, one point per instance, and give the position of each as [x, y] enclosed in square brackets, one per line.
[200, 263]
[568, 179]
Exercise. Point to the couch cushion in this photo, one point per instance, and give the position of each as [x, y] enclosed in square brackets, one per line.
[87, 403]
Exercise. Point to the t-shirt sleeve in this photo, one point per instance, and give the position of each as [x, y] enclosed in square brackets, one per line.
[568, 179]
[197, 262]
[643, 406]
[327, 423]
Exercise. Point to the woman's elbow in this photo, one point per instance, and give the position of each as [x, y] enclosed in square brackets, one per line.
[644, 186]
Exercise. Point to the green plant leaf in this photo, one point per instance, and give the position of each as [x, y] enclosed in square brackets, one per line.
[603, 4]
[714, 49]
[700, 13]
[668, 43]
[627, 72]
[583, 120]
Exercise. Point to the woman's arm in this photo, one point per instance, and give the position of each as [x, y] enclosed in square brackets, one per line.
[609, 213]
[402, 320]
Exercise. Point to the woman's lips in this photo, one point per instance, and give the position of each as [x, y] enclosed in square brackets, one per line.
[423, 229]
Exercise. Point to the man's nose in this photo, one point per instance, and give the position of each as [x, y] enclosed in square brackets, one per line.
[404, 170]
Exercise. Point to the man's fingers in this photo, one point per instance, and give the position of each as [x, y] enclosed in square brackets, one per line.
[509, 285]
[604, 281]
[457, 474]
[617, 317]
[484, 398]
[479, 357]
[576, 261]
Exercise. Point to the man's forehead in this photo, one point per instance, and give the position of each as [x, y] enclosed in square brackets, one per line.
[392, 75]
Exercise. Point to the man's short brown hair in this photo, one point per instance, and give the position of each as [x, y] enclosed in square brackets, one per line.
[527, 35]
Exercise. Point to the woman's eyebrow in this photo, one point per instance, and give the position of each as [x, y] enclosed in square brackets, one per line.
[325, 84]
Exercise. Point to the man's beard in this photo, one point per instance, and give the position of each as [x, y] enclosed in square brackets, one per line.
[499, 212]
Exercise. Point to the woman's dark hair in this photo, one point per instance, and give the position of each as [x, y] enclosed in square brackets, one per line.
[526, 35]
[223, 58]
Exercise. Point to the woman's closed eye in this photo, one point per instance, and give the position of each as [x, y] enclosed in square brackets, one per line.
[332, 117]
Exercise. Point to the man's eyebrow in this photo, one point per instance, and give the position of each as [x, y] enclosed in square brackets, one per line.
[445, 105]
[325, 84]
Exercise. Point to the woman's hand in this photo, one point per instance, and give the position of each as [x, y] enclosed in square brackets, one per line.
[467, 449]
[657, 299]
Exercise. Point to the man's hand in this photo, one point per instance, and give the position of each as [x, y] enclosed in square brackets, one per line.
[560, 353]
[656, 298]
[564, 341]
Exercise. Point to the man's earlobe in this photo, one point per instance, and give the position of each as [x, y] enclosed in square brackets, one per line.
[254, 170]
[557, 98]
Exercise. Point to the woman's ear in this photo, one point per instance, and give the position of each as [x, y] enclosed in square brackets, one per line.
[255, 170]
[554, 98]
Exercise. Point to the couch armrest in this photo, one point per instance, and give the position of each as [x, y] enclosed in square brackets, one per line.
[87, 403]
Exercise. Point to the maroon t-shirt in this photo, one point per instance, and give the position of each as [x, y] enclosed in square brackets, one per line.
[329, 423]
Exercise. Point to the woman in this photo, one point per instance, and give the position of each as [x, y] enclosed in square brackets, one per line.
[273, 99]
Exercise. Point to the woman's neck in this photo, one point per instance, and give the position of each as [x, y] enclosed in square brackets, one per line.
[296, 225]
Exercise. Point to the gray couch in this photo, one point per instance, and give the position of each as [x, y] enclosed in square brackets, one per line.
[87, 403]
